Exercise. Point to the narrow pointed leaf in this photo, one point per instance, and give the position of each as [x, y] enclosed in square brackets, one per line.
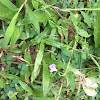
[11, 28]
[75, 3]
[38, 38]
[9, 76]
[46, 78]
[15, 36]
[37, 62]
[9, 5]
[86, 18]
[97, 29]
[9, 31]
[53, 43]
[26, 87]
[33, 18]
[5, 12]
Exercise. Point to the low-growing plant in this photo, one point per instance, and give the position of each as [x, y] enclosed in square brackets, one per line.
[49, 50]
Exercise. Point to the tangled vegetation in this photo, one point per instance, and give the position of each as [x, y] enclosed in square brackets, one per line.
[50, 49]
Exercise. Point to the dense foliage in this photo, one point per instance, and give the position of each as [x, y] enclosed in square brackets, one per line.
[49, 49]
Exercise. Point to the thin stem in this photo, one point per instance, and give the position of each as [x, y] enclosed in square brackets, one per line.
[76, 9]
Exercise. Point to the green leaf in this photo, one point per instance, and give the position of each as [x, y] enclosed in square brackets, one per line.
[9, 57]
[42, 2]
[52, 24]
[84, 56]
[3, 59]
[97, 4]
[37, 61]
[2, 83]
[71, 80]
[38, 38]
[24, 67]
[10, 76]
[83, 33]
[6, 12]
[15, 36]
[26, 87]
[86, 18]
[42, 17]
[75, 3]
[95, 61]
[27, 57]
[33, 18]
[39, 15]
[19, 3]
[53, 43]
[35, 4]
[74, 20]
[24, 21]
[22, 72]
[16, 50]
[46, 78]
[11, 95]
[97, 29]
[43, 98]
[10, 30]
[26, 97]
[9, 4]
[66, 51]
[18, 88]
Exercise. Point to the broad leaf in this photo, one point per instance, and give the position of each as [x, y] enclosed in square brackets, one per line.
[37, 61]
[97, 29]
[33, 18]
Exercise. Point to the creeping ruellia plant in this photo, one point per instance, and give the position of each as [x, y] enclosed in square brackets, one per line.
[49, 50]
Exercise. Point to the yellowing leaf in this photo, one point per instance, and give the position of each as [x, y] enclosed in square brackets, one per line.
[90, 83]
[89, 91]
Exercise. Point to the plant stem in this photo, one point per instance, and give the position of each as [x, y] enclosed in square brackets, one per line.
[77, 9]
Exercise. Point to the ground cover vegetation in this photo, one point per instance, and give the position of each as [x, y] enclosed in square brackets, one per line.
[49, 50]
